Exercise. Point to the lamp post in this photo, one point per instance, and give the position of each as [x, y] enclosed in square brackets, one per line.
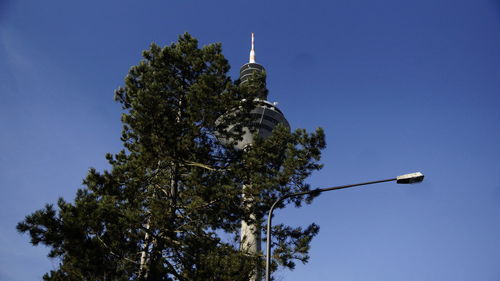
[403, 179]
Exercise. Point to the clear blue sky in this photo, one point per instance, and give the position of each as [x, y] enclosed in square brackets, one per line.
[399, 86]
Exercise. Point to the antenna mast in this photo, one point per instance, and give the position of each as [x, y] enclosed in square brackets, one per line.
[252, 51]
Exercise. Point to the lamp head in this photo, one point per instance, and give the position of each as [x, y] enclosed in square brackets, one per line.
[410, 178]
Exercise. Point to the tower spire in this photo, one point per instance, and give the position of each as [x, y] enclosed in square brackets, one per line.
[250, 68]
[252, 51]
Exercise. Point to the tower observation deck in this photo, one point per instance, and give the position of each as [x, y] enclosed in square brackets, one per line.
[266, 115]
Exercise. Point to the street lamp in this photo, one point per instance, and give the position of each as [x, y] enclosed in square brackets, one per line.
[403, 179]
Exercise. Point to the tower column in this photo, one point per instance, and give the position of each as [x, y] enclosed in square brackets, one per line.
[251, 239]
[267, 117]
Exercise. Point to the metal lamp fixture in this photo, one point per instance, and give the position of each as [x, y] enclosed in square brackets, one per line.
[403, 179]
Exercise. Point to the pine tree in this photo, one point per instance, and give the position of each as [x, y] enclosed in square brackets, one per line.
[171, 205]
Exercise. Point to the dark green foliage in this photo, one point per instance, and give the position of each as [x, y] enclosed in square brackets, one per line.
[173, 195]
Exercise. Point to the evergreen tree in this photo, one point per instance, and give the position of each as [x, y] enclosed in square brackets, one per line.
[172, 200]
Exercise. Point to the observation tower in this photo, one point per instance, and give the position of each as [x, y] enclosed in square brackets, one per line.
[265, 117]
